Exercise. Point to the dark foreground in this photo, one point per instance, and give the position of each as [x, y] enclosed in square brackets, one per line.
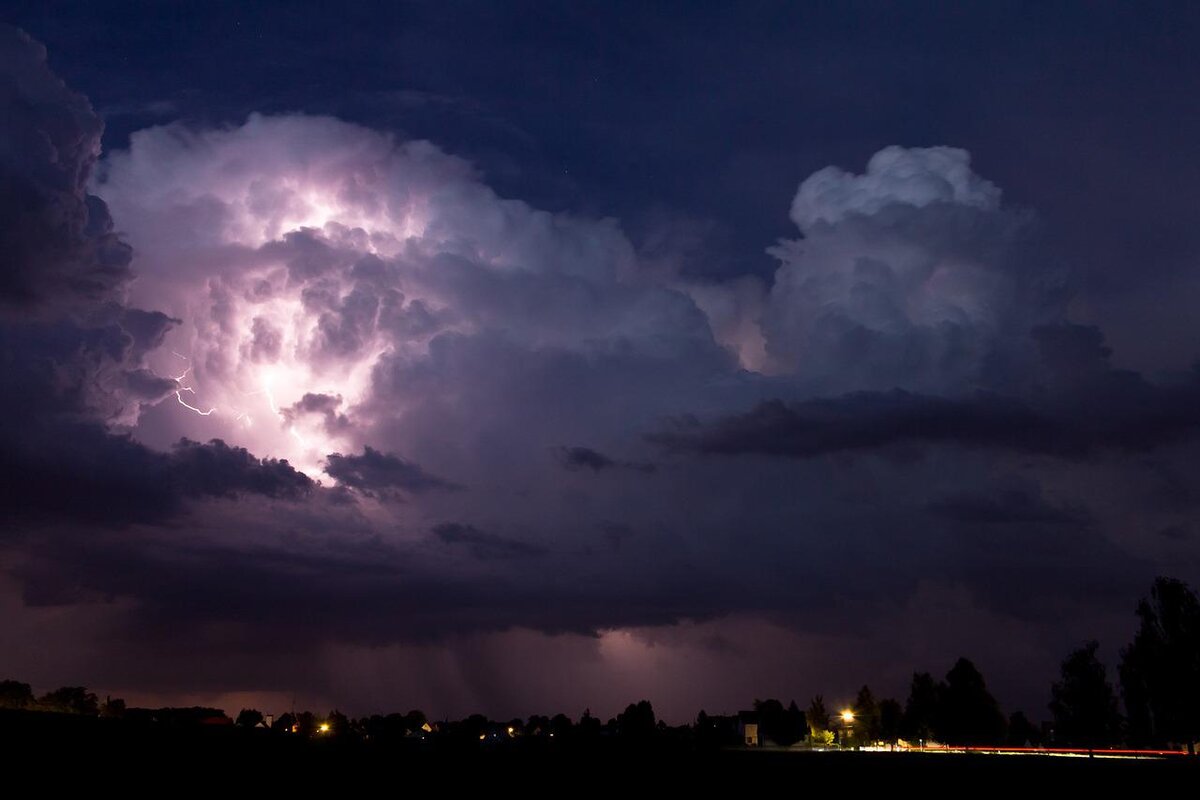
[157, 761]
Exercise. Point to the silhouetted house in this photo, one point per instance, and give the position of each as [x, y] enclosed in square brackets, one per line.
[747, 727]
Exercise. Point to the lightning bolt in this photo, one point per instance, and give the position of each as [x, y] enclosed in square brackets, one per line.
[239, 416]
[289, 427]
[181, 388]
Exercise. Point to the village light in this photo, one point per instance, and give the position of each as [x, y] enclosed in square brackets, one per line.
[323, 727]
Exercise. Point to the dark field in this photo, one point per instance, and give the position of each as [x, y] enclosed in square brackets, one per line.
[152, 760]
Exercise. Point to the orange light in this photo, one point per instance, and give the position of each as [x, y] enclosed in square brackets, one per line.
[847, 716]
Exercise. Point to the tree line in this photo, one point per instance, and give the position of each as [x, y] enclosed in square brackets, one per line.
[1158, 676]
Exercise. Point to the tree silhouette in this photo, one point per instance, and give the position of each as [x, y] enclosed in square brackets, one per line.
[891, 714]
[560, 726]
[1021, 732]
[14, 694]
[306, 723]
[338, 723]
[818, 717]
[797, 725]
[866, 728]
[249, 717]
[1083, 703]
[968, 714]
[921, 710]
[112, 708]
[1160, 670]
[415, 720]
[70, 700]
[783, 726]
[637, 721]
[589, 726]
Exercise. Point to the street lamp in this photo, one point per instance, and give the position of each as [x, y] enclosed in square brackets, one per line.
[847, 716]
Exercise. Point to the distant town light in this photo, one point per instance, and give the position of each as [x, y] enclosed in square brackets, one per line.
[323, 727]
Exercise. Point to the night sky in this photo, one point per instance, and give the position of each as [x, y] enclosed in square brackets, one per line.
[522, 358]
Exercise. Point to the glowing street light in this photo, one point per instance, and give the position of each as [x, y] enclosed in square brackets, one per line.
[323, 727]
[847, 717]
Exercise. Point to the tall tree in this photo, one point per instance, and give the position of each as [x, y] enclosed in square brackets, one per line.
[969, 715]
[589, 726]
[866, 717]
[1160, 670]
[1083, 703]
[891, 714]
[818, 717]
[797, 725]
[921, 710]
[782, 726]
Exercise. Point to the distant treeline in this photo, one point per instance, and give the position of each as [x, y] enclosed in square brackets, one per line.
[1158, 676]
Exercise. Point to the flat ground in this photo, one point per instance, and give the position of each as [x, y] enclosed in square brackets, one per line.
[162, 762]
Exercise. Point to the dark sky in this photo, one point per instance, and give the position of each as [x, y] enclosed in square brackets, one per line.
[559, 355]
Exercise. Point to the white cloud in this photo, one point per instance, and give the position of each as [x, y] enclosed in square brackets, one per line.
[911, 275]
[918, 176]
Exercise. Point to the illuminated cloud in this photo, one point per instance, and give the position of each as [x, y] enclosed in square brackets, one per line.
[309, 257]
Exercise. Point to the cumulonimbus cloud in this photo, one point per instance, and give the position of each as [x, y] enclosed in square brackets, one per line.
[324, 303]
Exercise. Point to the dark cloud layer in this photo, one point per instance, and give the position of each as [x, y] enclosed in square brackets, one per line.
[484, 545]
[1113, 411]
[58, 244]
[80, 472]
[375, 472]
[1008, 507]
[585, 458]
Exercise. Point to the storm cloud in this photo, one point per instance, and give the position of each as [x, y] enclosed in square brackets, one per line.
[297, 386]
